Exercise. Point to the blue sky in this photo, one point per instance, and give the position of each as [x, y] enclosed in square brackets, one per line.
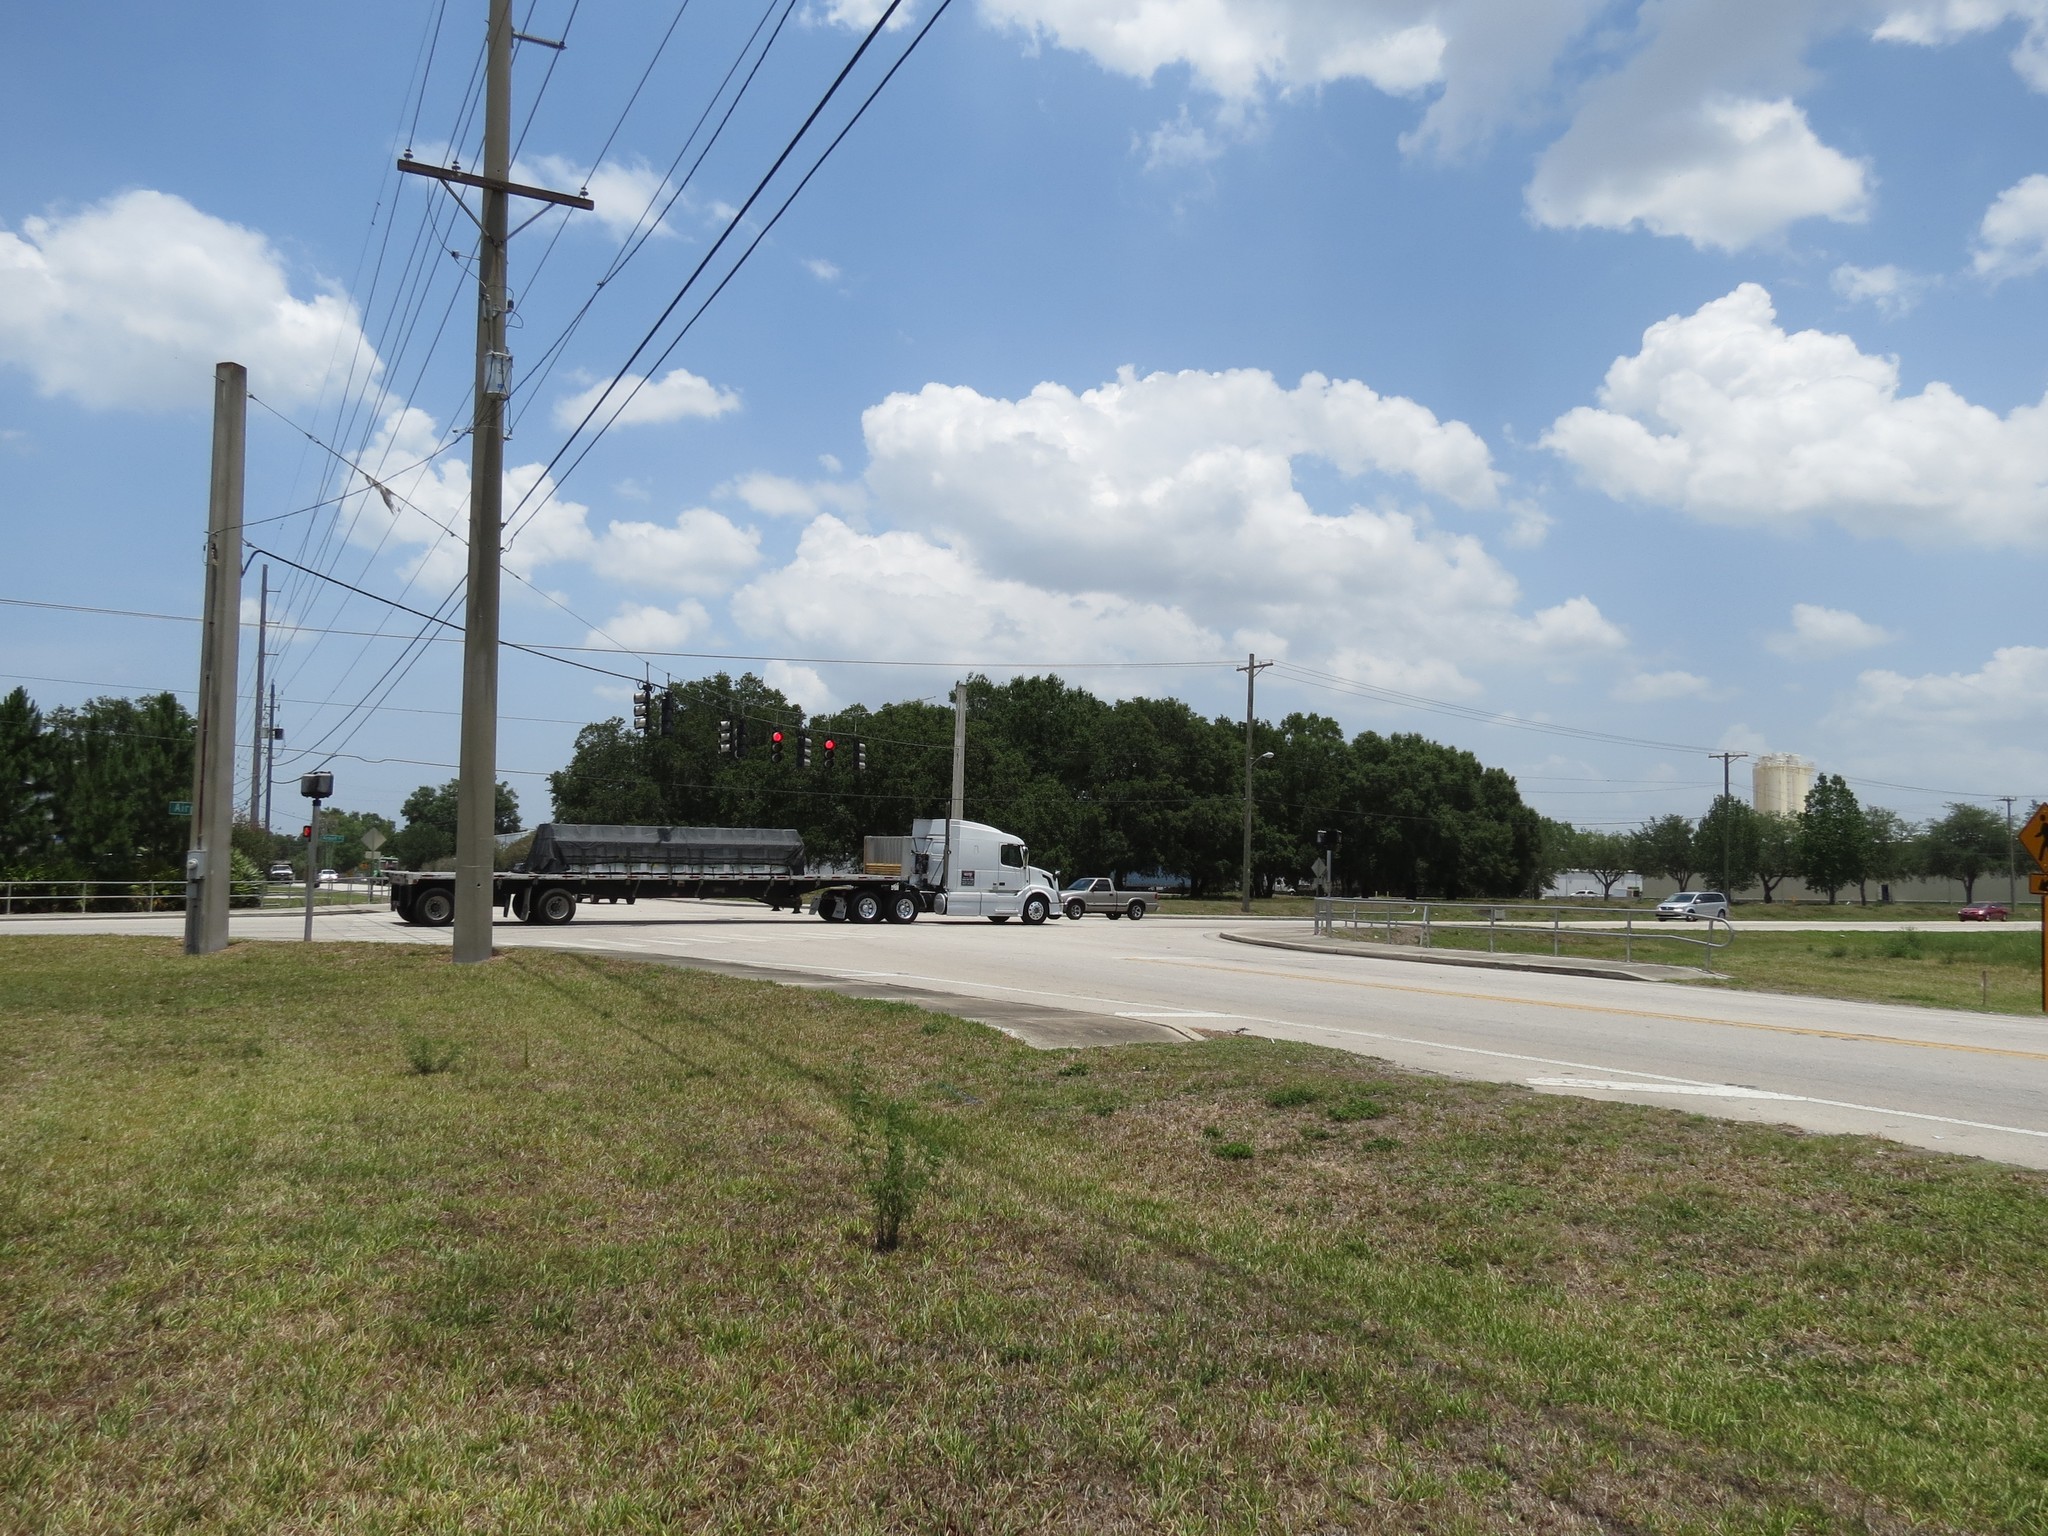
[1666, 371]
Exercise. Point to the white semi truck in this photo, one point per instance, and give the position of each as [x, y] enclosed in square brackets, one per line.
[957, 868]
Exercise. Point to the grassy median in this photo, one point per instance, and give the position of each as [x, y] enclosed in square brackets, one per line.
[344, 1239]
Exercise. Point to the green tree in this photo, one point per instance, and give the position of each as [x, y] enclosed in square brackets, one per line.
[1606, 856]
[1665, 847]
[27, 829]
[1555, 841]
[1834, 840]
[1777, 850]
[429, 832]
[1894, 849]
[1964, 845]
[1728, 844]
[115, 766]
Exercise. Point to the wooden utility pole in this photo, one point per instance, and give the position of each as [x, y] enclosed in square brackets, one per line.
[476, 798]
[209, 870]
[1251, 669]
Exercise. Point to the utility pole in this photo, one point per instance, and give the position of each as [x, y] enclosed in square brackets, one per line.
[270, 736]
[957, 810]
[476, 797]
[258, 733]
[2012, 876]
[1251, 669]
[1728, 761]
[208, 870]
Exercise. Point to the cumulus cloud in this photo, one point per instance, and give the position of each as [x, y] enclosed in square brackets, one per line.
[779, 496]
[1723, 172]
[628, 193]
[675, 396]
[1933, 22]
[1890, 290]
[648, 627]
[1661, 687]
[1159, 516]
[1726, 416]
[130, 302]
[823, 270]
[2012, 241]
[1900, 725]
[1822, 632]
[701, 552]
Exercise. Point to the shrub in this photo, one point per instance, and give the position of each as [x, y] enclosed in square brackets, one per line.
[428, 1056]
[896, 1165]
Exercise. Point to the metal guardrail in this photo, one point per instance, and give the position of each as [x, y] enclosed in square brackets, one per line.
[1427, 918]
[30, 896]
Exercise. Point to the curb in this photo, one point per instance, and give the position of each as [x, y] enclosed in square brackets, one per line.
[1542, 964]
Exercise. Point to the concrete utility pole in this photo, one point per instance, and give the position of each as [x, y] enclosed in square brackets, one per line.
[270, 736]
[258, 733]
[476, 799]
[1728, 760]
[1251, 669]
[957, 808]
[2012, 874]
[208, 870]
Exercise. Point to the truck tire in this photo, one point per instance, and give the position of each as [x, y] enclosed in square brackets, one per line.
[867, 907]
[434, 907]
[1136, 910]
[1000, 918]
[554, 905]
[1036, 910]
[1076, 910]
[902, 907]
[831, 907]
[1112, 914]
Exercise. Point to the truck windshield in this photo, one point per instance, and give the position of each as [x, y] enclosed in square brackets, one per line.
[1081, 884]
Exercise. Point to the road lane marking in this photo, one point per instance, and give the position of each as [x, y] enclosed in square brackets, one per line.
[1811, 1031]
[1731, 1091]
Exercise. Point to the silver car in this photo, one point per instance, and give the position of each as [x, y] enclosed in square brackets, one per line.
[1692, 906]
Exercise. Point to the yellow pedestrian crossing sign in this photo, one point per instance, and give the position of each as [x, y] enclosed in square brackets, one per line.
[2034, 835]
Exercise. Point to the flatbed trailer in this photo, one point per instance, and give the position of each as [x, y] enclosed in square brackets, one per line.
[427, 897]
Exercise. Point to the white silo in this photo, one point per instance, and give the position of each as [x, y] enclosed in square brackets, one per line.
[1779, 782]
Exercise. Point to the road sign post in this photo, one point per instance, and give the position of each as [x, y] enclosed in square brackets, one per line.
[2034, 838]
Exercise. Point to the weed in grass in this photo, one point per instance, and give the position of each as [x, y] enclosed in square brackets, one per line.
[426, 1056]
[1074, 1069]
[1356, 1106]
[896, 1165]
[1293, 1096]
[1232, 1151]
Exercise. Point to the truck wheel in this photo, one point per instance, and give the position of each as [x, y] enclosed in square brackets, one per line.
[867, 907]
[1003, 918]
[832, 907]
[1076, 910]
[1036, 910]
[1136, 910]
[434, 907]
[902, 908]
[1112, 915]
[554, 906]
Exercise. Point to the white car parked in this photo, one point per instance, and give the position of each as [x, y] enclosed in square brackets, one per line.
[1692, 906]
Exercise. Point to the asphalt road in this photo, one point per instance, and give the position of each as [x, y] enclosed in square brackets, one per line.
[1956, 1082]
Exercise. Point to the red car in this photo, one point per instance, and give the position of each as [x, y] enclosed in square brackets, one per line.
[1983, 912]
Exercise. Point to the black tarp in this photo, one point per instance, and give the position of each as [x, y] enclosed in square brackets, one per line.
[560, 849]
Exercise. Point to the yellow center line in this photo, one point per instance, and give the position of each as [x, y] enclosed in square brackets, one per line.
[1627, 1013]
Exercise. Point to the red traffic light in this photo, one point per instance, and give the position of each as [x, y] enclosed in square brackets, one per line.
[305, 834]
[776, 738]
[830, 743]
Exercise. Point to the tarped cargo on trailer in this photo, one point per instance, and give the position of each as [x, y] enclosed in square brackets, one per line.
[560, 849]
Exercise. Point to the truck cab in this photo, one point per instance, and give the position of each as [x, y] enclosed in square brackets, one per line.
[971, 869]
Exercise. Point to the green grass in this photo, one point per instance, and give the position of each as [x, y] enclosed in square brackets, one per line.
[1994, 969]
[613, 1269]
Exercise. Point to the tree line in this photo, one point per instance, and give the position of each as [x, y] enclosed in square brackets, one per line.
[1092, 787]
[1833, 845]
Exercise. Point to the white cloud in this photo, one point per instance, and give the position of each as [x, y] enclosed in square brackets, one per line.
[1821, 632]
[800, 685]
[1661, 687]
[1724, 415]
[132, 301]
[700, 552]
[823, 270]
[778, 496]
[1933, 22]
[2012, 241]
[1723, 172]
[676, 395]
[646, 627]
[1159, 517]
[628, 193]
[1891, 290]
[1975, 732]
[1180, 143]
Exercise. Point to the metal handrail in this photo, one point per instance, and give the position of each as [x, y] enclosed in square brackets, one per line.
[159, 895]
[1366, 914]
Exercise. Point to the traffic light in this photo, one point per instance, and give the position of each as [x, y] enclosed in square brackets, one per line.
[725, 738]
[831, 751]
[775, 746]
[643, 704]
[305, 834]
[668, 715]
[860, 756]
[739, 738]
[803, 749]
